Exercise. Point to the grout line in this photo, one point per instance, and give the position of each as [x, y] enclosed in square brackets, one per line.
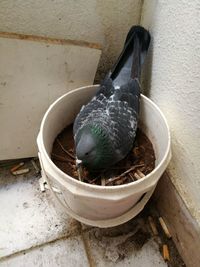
[64, 237]
[87, 248]
[48, 40]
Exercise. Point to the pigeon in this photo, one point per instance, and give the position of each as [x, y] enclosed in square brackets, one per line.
[105, 128]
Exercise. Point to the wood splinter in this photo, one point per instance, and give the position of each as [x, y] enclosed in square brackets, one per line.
[139, 175]
[103, 181]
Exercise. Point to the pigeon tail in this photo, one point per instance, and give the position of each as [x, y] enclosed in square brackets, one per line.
[132, 57]
[141, 41]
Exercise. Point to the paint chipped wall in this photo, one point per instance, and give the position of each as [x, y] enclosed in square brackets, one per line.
[173, 82]
[104, 22]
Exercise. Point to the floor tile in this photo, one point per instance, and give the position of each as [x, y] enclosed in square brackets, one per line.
[126, 245]
[69, 252]
[28, 216]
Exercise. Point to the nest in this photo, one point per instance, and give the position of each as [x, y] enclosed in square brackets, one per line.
[138, 163]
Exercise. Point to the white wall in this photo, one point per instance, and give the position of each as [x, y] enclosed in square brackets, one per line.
[105, 22]
[174, 60]
[174, 84]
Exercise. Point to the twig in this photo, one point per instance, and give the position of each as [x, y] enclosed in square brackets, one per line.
[79, 171]
[103, 181]
[122, 180]
[131, 176]
[94, 180]
[67, 152]
[123, 174]
[141, 174]
[59, 158]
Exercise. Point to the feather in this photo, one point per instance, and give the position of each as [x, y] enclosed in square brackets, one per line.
[105, 128]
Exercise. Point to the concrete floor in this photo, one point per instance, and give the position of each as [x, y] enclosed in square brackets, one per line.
[34, 231]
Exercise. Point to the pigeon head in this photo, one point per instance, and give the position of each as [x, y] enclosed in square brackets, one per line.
[92, 147]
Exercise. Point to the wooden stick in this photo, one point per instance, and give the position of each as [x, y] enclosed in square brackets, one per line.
[164, 227]
[131, 176]
[166, 253]
[59, 158]
[123, 174]
[94, 180]
[103, 181]
[67, 152]
[141, 174]
[122, 180]
[137, 176]
[79, 171]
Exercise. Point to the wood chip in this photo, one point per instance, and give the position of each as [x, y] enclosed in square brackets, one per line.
[140, 173]
[131, 176]
[166, 253]
[164, 227]
[103, 181]
[121, 181]
[137, 176]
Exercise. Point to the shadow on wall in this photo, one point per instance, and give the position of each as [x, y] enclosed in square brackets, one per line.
[149, 9]
[147, 72]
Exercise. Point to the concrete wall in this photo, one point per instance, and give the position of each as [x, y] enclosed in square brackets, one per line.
[105, 22]
[174, 84]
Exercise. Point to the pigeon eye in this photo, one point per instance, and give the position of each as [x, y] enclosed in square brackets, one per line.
[87, 153]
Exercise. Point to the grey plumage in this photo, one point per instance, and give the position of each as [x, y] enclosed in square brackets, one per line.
[105, 128]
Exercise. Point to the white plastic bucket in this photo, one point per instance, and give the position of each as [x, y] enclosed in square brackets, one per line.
[102, 206]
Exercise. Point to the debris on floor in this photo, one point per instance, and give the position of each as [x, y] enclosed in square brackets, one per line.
[119, 243]
[41, 225]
